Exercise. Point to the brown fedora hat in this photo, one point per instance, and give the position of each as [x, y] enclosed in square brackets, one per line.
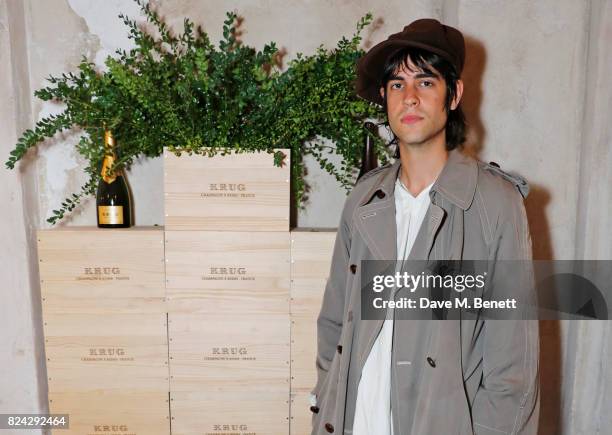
[427, 34]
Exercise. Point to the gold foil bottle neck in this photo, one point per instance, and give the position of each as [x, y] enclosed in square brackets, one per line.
[109, 140]
[109, 158]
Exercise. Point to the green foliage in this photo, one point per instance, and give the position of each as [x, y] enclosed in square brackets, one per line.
[181, 92]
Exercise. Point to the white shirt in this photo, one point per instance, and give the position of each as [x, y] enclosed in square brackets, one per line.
[373, 408]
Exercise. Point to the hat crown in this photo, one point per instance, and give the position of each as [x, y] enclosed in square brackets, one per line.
[426, 34]
[423, 24]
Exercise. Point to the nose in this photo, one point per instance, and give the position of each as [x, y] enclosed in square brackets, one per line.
[410, 97]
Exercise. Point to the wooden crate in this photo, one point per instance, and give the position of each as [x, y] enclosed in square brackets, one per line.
[229, 352]
[227, 272]
[101, 271]
[105, 326]
[235, 192]
[229, 331]
[116, 413]
[256, 413]
[311, 253]
[110, 352]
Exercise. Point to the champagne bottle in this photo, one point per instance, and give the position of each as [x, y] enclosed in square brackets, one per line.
[369, 160]
[113, 200]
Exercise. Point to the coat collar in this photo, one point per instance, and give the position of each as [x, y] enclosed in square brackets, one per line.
[456, 182]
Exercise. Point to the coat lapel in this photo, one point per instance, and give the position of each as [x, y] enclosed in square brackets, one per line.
[376, 216]
[371, 220]
[427, 233]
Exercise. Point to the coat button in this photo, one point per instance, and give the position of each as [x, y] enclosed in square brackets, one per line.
[353, 268]
[339, 349]
[329, 427]
[380, 194]
[431, 361]
[314, 409]
[494, 164]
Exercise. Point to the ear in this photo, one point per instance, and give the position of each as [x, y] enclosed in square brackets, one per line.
[382, 92]
[458, 95]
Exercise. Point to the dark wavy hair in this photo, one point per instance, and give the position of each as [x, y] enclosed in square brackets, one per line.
[425, 60]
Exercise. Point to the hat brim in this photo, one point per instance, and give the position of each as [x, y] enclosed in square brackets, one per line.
[370, 67]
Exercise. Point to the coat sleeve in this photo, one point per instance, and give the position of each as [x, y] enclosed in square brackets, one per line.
[329, 321]
[507, 400]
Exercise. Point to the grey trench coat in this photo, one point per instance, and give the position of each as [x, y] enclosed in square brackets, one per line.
[463, 376]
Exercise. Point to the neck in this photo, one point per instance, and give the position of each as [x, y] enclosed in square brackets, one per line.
[421, 165]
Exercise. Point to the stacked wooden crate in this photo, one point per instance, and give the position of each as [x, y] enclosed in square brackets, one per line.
[220, 340]
[227, 271]
[311, 253]
[105, 329]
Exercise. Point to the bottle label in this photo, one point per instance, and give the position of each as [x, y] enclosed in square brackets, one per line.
[110, 214]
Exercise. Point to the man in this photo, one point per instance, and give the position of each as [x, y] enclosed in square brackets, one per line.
[424, 377]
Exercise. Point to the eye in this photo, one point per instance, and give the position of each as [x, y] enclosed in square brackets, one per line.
[396, 85]
[426, 83]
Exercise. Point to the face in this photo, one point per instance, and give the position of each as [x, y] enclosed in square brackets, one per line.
[415, 106]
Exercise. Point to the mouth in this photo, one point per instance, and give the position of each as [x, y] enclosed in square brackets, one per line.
[410, 119]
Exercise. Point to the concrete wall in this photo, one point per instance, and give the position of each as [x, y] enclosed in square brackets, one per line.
[537, 100]
[23, 380]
